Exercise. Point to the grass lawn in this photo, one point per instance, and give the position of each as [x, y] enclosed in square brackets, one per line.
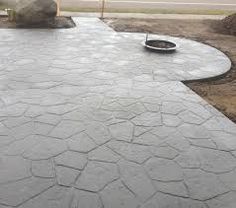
[149, 11]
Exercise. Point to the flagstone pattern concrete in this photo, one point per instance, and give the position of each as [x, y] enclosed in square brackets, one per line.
[90, 119]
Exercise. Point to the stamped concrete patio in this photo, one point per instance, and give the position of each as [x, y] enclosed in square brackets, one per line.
[89, 119]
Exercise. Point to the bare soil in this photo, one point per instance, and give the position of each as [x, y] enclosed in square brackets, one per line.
[56, 23]
[5, 23]
[229, 23]
[220, 92]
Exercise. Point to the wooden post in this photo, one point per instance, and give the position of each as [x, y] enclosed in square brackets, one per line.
[103, 8]
[11, 15]
[58, 7]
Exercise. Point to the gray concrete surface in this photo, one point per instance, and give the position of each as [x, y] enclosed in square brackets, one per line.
[89, 119]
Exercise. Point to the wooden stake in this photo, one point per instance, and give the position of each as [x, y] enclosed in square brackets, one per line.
[103, 8]
[58, 7]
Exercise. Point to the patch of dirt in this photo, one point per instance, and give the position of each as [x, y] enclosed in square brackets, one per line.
[229, 23]
[5, 23]
[220, 92]
[56, 23]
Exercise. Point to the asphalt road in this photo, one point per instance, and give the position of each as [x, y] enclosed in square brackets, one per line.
[155, 4]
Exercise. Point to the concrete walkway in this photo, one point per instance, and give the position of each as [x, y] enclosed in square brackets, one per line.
[89, 119]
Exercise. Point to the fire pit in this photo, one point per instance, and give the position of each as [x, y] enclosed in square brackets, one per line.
[159, 45]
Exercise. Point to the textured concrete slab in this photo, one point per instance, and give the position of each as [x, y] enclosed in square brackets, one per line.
[89, 118]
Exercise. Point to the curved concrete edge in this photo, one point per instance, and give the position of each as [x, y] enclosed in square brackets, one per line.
[205, 72]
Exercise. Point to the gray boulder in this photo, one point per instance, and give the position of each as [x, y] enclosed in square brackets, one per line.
[29, 12]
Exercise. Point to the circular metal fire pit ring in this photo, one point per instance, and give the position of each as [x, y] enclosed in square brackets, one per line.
[148, 44]
[159, 45]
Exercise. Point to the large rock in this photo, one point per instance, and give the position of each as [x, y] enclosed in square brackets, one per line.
[30, 12]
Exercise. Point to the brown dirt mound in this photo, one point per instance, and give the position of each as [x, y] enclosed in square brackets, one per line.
[229, 23]
[56, 23]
